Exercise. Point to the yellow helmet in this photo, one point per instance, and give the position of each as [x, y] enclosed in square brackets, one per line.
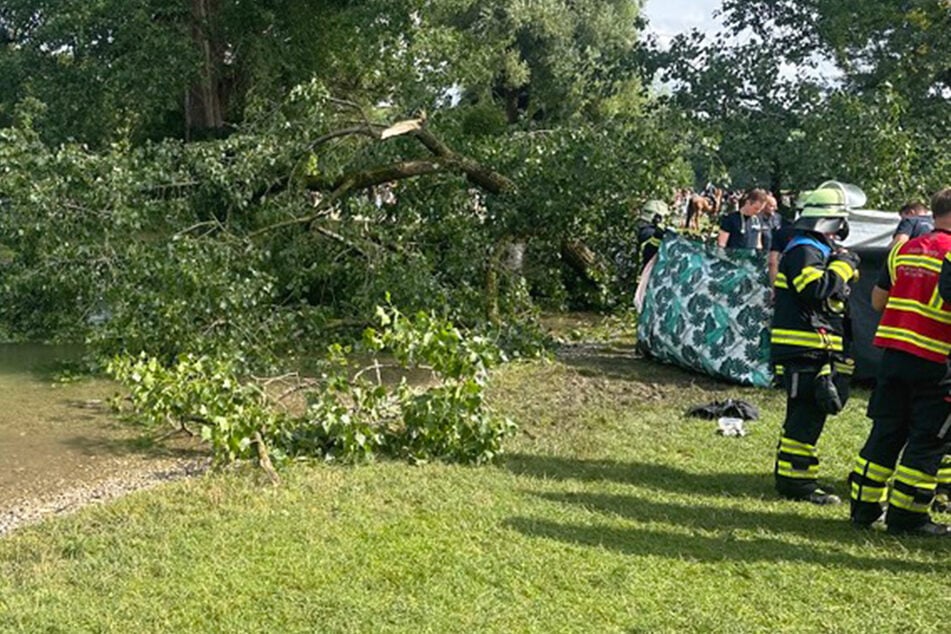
[824, 203]
[825, 211]
[653, 211]
[800, 201]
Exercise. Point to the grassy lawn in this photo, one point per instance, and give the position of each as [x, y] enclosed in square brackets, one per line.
[611, 513]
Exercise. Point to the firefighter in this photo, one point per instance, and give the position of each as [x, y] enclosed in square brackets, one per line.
[909, 408]
[650, 231]
[810, 339]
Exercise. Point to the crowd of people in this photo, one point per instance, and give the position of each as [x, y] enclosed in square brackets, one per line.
[902, 468]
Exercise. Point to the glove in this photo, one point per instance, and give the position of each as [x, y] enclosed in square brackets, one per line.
[848, 256]
[827, 395]
[846, 264]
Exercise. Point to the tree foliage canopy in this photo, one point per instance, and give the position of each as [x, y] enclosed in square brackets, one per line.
[221, 174]
[766, 109]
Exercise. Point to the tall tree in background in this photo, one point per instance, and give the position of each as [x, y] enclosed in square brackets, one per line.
[746, 101]
[551, 59]
[205, 100]
[141, 67]
[104, 70]
[755, 92]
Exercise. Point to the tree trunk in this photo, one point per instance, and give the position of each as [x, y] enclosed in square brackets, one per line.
[204, 101]
[776, 182]
[511, 106]
[506, 263]
[492, 274]
[582, 259]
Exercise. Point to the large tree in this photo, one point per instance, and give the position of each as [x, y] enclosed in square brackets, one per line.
[365, 148]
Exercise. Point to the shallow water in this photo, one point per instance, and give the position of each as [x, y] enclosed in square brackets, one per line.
[59, 436]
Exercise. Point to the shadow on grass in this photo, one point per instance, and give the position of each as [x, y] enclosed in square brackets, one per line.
[695, 517]
[705, 517]
[615, 363]
[702, 548]
[649, 475]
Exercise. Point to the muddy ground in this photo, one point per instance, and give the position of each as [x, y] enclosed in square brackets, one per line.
[61, 447]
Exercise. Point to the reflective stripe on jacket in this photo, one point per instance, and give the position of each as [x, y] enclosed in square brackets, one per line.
[812, 288]
[916, 320]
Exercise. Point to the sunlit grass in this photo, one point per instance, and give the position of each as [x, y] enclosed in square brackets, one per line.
[612, 512]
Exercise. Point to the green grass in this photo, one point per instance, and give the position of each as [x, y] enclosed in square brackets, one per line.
[612, 513]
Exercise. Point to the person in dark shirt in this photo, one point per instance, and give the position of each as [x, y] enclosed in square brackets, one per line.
[743, 229]
[771, 221]
[778, 241]
[915, 221]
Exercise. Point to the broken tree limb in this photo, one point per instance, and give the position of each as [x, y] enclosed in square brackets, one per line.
[386, 174]
[477, 174]
[583, 260]
[358, 130]
[444, 160]
[402, 127]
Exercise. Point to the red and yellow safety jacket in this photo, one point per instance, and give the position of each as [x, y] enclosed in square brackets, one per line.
[916, 320]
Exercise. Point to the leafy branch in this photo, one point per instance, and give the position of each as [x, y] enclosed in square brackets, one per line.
[347, 417]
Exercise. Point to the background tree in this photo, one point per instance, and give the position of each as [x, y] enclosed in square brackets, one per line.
[757, 98]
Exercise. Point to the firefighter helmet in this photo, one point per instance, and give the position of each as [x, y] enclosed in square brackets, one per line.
[653, 211]
[800, 201]
[824, 211]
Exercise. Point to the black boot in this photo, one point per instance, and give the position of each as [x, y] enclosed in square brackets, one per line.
[866, 514]
[812, 494]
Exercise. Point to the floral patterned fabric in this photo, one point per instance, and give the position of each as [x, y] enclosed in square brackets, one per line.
[709, 309]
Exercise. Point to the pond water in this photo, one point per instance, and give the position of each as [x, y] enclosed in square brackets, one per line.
[59, 442]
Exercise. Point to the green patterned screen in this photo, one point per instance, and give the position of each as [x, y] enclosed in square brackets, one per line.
[708, 309]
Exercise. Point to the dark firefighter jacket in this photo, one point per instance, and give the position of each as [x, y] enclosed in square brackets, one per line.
[649, 237]
[810, 319]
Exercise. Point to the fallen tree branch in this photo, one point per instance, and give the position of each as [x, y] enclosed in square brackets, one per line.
[351, 182]
[326, 203]
[336, 237]
[386, 174]
[361, 130]
[377, 366]
[477, 174]
[446, 160]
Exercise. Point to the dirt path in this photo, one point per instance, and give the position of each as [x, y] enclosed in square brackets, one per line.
[61, 448]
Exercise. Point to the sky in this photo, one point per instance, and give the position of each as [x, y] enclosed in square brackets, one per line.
[670, 17]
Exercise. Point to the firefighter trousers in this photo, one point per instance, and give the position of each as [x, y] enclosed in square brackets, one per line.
[910, 415]
[797, 458]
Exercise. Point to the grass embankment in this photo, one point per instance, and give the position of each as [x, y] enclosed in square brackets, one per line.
[611, 513]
